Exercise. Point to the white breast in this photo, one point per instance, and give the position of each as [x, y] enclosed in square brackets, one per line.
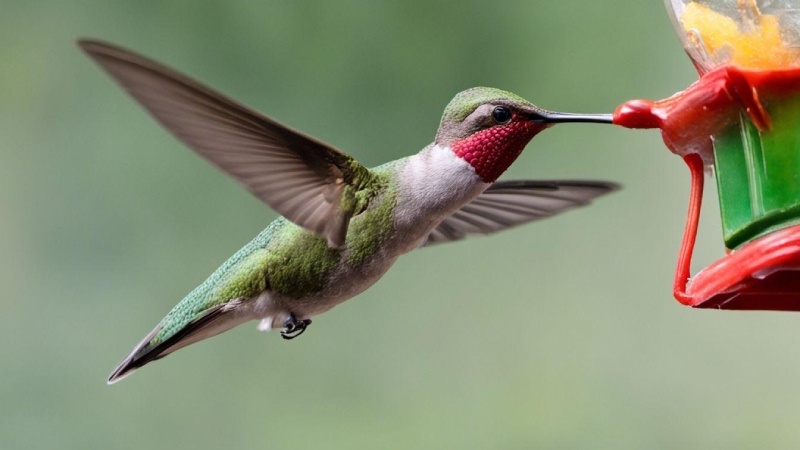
[433, 184]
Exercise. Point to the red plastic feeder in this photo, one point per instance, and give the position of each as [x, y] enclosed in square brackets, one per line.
[743, 119]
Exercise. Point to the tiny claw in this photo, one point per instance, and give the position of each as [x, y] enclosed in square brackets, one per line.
[293, 327]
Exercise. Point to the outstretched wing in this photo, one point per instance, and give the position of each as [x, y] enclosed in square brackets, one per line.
[506, 204]
[300, 177]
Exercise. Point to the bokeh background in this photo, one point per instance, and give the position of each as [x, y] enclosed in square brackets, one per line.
[561, 334]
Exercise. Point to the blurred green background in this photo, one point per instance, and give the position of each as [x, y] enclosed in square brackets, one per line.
[561, 334]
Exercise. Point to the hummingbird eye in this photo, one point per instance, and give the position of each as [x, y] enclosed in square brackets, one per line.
[501, 115]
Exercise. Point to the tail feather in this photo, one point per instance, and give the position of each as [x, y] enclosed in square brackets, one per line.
[213, 321]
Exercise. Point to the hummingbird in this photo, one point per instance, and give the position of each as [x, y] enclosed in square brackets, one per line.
[343, 225]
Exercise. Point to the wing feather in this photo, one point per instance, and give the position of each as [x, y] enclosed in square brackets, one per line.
[506, 204]
[300, 177]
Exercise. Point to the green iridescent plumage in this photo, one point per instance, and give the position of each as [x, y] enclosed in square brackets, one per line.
[289, 260]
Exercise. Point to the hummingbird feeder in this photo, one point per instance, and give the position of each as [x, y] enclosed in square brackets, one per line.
[742, 117]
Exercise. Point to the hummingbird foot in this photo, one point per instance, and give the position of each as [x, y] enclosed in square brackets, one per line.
[293, 327]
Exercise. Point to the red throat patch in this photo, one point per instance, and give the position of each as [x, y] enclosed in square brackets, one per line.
[491, 151]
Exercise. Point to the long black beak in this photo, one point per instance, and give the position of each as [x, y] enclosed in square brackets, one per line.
[559, 117]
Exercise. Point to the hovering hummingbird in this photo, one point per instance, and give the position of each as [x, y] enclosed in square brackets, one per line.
[343, 224]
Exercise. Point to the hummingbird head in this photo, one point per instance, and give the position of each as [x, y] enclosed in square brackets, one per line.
[490, 127]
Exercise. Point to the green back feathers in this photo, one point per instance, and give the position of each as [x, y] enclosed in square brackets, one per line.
[288, 259]
[240, 276]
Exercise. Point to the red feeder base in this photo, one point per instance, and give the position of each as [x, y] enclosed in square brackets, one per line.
[761, 275]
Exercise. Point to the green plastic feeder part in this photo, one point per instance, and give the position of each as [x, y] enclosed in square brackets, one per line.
[758, 174]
